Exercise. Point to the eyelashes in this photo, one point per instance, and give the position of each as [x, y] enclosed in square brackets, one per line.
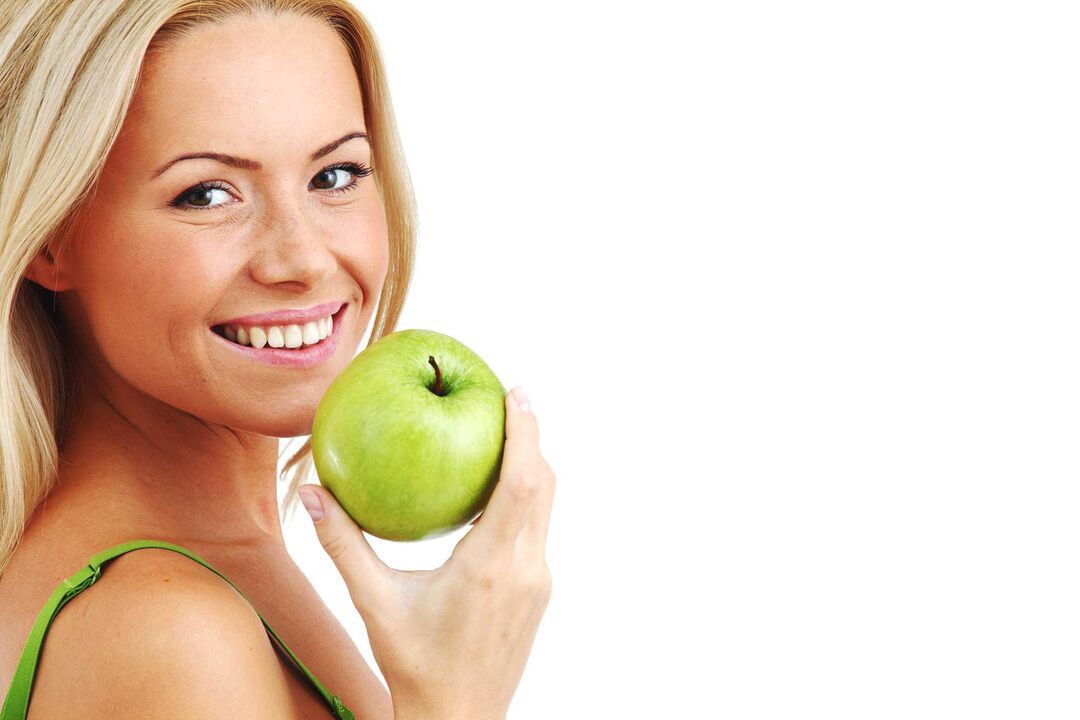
[357, 171]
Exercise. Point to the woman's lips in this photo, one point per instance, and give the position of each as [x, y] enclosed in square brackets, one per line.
[288, 317]
[338, 308]
[305, 356]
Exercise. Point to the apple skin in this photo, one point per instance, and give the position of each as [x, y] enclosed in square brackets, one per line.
[405, 463]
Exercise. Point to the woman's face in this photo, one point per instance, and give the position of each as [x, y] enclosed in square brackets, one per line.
[157, 260]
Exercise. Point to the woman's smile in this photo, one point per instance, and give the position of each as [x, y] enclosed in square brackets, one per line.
[292, 345]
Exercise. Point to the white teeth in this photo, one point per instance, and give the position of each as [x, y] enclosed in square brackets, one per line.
[258, 338]
[293, 336]
[278, 336]
[275, 338]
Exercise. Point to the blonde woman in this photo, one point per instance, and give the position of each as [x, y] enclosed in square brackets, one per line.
[179, 177]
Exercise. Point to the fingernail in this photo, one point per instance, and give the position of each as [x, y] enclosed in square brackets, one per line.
[521, 398]
[312, 504]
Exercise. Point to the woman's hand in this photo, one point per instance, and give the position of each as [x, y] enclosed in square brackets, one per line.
[453, 642]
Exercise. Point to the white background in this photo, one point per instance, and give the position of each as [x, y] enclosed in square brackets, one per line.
[793, 288]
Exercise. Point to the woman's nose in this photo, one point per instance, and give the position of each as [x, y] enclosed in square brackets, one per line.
[294, 251]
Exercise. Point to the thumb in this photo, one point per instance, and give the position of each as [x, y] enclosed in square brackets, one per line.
[365, 575]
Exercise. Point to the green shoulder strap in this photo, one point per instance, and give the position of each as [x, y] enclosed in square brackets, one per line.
[17, 703]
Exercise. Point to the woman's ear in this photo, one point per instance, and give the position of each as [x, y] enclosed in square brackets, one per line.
[45, 270]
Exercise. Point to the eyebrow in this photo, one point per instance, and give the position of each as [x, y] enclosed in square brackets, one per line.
[252, 164]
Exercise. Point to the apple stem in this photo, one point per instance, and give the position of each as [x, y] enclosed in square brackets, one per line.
[438, 375]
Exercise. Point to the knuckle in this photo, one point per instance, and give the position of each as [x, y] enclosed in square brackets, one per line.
[336, 545]
[526, 485]
[544, 469]
[529, 489]
[539, 581]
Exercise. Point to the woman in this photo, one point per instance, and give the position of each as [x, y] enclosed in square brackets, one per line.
[171, 168]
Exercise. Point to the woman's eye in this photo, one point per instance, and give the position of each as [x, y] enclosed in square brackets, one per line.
[328, 177]
[201, 196]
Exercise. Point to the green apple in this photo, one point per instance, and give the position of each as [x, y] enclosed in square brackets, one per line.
[409, 437]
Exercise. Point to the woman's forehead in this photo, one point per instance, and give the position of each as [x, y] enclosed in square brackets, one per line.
[294, 79]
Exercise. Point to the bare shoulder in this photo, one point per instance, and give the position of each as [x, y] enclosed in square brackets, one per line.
[159, 636]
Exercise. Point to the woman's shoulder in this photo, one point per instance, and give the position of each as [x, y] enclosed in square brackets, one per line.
[153, 628]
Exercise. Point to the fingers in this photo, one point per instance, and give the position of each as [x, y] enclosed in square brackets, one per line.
[365, 575]
[536, 526]
[538, 516]
[522, 489]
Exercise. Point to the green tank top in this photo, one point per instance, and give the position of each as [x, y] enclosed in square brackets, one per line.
[17, 703]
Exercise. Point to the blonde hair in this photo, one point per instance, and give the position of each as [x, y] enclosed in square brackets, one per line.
[68, 71]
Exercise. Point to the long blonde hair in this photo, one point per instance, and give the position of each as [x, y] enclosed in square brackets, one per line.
[68, 71]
